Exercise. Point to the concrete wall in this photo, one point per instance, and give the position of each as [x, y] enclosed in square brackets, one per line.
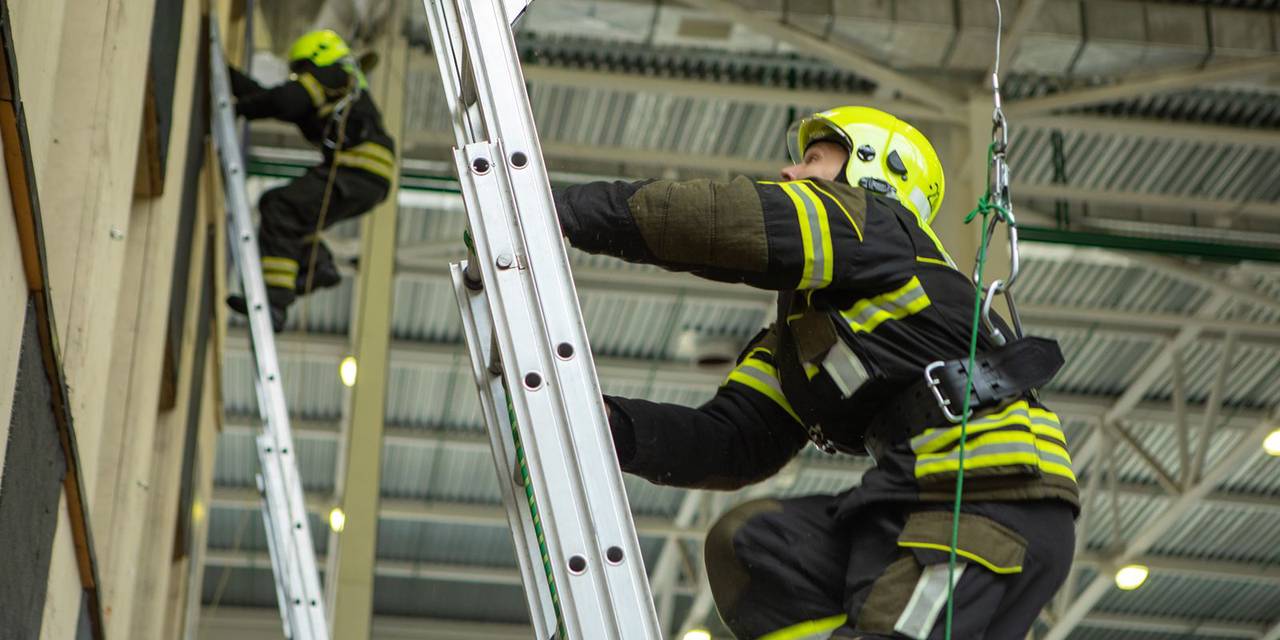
[110, 257]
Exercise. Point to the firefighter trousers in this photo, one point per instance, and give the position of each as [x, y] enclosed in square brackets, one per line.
[788, 570]
[290, 216]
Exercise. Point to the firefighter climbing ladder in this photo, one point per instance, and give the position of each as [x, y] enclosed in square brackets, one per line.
[284, 515]
[572, 528]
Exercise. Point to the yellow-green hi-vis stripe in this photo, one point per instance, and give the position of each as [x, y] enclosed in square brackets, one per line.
[762, 377]
[866, 315]
[808, 630]
[815, 233]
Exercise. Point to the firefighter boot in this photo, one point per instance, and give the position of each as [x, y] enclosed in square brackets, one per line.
[324, 274]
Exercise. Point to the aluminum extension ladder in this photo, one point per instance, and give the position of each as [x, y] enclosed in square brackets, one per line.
[284, 514]
[579, 558]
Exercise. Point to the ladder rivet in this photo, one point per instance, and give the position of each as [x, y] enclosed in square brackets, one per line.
[519, 160]
[285, 450]
[297, 600]
[314, 603]
[257, 307]
[613, 555]
[245, 238]
[480, 166]
[271, 377]
[532, 380]
[577, 565]
[504, 261]
[564, 350]
[297, 525]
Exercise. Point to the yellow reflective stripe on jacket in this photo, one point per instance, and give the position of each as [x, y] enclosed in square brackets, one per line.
[937, 244]
[368, 156]
[761, 377]
[866, 315]
[808, 630]
[1036, 440]
[314, 89]
[998, 449]
[815, 235]
[934, 261]
[1039, 421]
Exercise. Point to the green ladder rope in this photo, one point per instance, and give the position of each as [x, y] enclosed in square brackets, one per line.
[985, 207]
[526, 481]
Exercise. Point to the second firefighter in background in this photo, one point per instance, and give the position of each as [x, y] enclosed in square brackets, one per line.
[327, 98]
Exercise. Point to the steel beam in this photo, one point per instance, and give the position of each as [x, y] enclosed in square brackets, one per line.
[1173, 626]
[1248, 209]
[666, 572]
[1142, 540]
[736, 92]
[1238, 571]
[1152, 128]
[841, 56]
[1144, 84]
[666, 285]
[472, 574]
[1213, 281]
[350, 574]
[847, 468]
[702, 162]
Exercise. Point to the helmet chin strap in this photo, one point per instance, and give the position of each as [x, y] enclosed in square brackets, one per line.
[843, 175]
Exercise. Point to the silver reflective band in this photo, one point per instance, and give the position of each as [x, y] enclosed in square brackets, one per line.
[815, 232]
[921, 201]
[921, 614]
[845, 369]
[763, 377]
[888, 306]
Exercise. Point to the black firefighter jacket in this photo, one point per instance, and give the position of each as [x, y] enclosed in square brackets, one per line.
[839, 251]
[308, 100]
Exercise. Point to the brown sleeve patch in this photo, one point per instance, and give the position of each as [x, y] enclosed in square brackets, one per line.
[703, 223]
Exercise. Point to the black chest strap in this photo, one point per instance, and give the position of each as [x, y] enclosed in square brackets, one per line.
[812, 409]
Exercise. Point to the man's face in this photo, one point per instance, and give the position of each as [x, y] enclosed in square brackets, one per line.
[821, 160]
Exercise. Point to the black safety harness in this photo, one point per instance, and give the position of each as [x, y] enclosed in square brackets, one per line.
[1014, 370]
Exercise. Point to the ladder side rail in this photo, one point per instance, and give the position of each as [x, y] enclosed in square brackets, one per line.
[508, 116]
[273, 552]
[447, 47]
[307, 611]
[299, 574]
[522, 342]
[478, 331]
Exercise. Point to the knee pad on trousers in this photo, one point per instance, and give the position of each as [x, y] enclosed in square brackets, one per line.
[726, 573]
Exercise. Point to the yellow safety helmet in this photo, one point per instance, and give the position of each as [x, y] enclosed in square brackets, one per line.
[886, 155]
[322, 48]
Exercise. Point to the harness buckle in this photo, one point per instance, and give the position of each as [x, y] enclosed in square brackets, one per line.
[820, 440]
[934, 384]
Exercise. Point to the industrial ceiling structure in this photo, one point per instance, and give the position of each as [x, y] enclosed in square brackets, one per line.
[1146, 156]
